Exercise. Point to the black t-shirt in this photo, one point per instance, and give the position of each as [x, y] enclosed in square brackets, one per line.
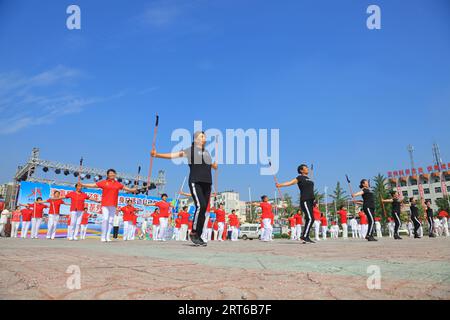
[396, 206]
[306, 187]
[200, 164]
[414, 211]
[429, 212]
[368, 198]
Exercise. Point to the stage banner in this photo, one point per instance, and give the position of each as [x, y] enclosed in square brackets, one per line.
[29, 191]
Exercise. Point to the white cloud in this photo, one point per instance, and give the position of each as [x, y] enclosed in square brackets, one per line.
[39, 99]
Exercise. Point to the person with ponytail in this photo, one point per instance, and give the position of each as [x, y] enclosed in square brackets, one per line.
[200, 180]
[368, 206]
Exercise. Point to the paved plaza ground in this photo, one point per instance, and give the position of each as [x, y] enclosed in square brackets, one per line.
[247, 270]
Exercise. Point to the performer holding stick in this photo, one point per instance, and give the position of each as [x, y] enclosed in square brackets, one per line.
[306, 186]
[200, 180]
[396, 209]
[368, 206]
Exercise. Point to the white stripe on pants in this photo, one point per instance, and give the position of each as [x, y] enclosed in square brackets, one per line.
[25, 228]
[14, 228]
[107, 223]
[75, 221]
[35, 226]
[163, 223]
[53, 220]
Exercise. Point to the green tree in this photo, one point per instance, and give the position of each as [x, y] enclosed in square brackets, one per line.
[339, 197]
[381, 192]
[443, 203]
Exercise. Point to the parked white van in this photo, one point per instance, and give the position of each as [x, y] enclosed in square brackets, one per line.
[249, 231]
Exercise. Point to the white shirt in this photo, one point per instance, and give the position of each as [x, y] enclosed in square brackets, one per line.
[4, 216]
[116, 222]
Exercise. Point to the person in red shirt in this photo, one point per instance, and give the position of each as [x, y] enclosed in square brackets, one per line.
[190, 227]
[364, 224]
[84, 223]
[26, 222]
[317, 215]
[343, 215]
[176, 230]
[298, 224]
[216, 229]
[225, 233]
[266, 218]
[110, 198]
[36, 220]
[129, 213]
[233, 223]
[15, 222]
[53, 213]
[292, 223]
[77, 205]
[164, 216]
[220, 219]
[210, 228]
[324, 222]
[155, 223]
[184, 216]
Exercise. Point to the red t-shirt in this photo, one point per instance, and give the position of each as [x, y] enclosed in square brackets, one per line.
[155, 217]
[77, 200]
[266, 210]
[26, 214]
[292, 222]
[85, 219]
[324, 221]
[55, 205]
[184, 217]
[298, 219]
[134, 218]
[128, 212]
[110, 195]
[178, 223]
[262, 225]
[443, 214]
[210, 224]
[16, 216]
[316, 214]
[220, 215]
[377, 219]
[190, 225]
[38, 209]
[363, 218]
[343, 215]
[216, 226]
[163, 209]
[233, 220]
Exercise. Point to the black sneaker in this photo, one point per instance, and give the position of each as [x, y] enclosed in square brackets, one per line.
[308, 240]
[432, 236]
[371, 239]
[195, 238]
[203, 243]
[417, 237]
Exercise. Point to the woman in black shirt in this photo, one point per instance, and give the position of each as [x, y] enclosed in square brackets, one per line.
[415, 217]
[396, 209]
[430, 218]
[368, 206]
[200, 180]
[306, 186]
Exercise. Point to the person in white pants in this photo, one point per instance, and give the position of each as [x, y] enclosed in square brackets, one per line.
[391, 227]
[298, 225]
[220, 219]
[26, 222]
[164, 216]
[75, 223]
[155, 225]
[36, 220]
[233, 222]
[317, 230]
[291, 221]
[378, 228]
[15, 222]
[354, 227]
[129, 213]
[267, 231]
[210, 229]
[317, 222]
[110, 198]
[4, 220]
[343, 215]
[176, 230]
[53, 214]
[183, 215]
[84, 223]
[324, 223]
[410, 227]
[444, 226]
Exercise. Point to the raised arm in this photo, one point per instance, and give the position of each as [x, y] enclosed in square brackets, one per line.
[89, 185]
[131, 190]
[357, 194]
[287, 184]
[172, 155]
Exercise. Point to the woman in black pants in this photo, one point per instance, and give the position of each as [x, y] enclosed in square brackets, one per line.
[200, 180]
[430, 218]
[396, 209]
[306, 186]
[368, 206]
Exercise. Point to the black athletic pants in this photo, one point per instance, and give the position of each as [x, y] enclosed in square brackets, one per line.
[369, 214]
[430, 224]
[307, 209]
[201, 193]
[416, 223]
[397, 222]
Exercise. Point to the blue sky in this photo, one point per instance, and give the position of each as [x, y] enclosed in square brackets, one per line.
[345, 98]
